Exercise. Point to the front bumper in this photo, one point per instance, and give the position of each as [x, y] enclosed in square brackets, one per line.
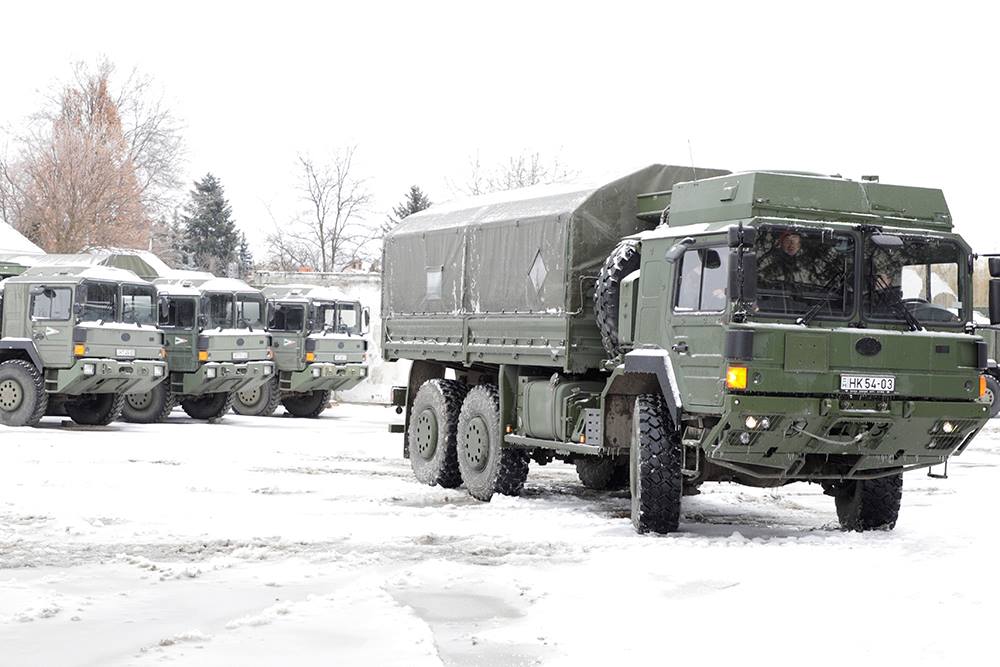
[830, 438]
[106, 376]
[324, 376]
[224, 376]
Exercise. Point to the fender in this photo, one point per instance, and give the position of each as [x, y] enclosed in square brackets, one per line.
[25, 345]
[657, 362]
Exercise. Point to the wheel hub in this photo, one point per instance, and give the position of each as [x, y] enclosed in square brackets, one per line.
[139, 401]
[11, 395]
[249, 396]
[476, 445]
[426, 434]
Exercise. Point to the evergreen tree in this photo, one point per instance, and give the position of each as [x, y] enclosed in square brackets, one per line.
[245, 256]
[211, 240]
[416, 200]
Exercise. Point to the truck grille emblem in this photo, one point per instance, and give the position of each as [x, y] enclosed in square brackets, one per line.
[868, 346]
[126, 337]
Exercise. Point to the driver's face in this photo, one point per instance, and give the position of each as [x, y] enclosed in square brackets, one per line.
[791, 244]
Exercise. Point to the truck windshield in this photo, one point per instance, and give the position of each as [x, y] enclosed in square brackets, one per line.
[138, 304]
[801, 270]
[250, 311]
[99, 301]
[286, 317]
[218, 309]
[921, 277]
[180, 313]
[338, 317]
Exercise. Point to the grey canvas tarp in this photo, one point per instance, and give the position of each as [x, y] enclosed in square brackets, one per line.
[532, 253]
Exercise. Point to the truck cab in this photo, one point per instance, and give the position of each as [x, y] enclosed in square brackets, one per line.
[76, 339]
[216, 345]
[319, 347]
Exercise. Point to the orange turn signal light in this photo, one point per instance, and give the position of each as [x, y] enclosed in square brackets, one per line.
[982, 386]
[79, 350]
[310, 356]
[736, 377]
[202, 355]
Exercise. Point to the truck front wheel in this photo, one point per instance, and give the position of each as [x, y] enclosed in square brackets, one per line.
[151, 407]
[23, 400]
[309, 405]
[209, 406]
[992, 395]
[487, 466]
[95, 409]
[259, 402]
[869, 504]
[656, 462]
[432, 433]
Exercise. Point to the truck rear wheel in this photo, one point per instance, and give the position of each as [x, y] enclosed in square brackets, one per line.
[209, 406]
[309, 405]
[622, 261]
[656, 464]
[259, 402]
[433, 432]
[95, 409]
[601, 473]
[151, 407]
[23, 400]
[869, 504]
[487, 466]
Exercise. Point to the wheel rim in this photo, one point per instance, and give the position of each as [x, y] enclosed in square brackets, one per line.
[139, 401]
[11, 395]
[476, 444]
[988, 396]
[426, 434]
[249, 396]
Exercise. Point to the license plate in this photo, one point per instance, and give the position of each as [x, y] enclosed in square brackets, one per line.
[340, 357]
[124, 353]
[862, 384]
[240, 355]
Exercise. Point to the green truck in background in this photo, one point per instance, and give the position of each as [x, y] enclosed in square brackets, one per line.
[679, 326]
[75, 340]
[319, 347]
[216, 345]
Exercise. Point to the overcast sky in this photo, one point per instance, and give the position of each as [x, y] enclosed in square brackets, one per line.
[908, 92]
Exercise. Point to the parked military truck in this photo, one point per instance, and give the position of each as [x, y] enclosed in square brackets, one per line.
[760, 328]
[319, 347]
[216, 345]
[75, 340]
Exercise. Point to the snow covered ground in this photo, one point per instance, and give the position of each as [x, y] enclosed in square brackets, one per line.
[307, 542]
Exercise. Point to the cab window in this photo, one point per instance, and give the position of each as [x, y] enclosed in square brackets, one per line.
[53, 303]
[286, 317]
[701, 284]
[180, 313]
[138, 304]
[99, 301]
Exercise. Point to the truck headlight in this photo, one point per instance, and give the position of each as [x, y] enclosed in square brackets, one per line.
[89, 369]
[210, 372]
[267, 370]
[316, 372]
[157, 371]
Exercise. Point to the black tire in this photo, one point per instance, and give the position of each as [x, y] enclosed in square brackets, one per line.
[487, 466]
[656, 461]
[309, 405]
[95, 409]
[23, 400]
[596, 472]
[152, 407]
[209, 406]
[433, 432]
[992, 395]
[261, 402]
[869, 504]
[622, 261]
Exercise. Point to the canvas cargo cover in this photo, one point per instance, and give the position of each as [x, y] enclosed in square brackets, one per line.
[531, 255]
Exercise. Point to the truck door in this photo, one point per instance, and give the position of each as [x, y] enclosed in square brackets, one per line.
[51, 310]
[695, 329]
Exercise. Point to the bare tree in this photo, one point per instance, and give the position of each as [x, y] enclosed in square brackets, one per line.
[516, 171]
[329, 233]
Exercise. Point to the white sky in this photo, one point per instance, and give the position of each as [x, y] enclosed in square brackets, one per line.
[906, 91]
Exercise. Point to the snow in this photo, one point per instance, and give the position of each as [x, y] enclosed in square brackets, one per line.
[12, 241]
[260, 541]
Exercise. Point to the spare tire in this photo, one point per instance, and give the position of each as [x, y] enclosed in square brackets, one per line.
[622, 261]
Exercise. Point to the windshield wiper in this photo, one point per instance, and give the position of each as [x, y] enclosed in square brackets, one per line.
[832, 287]
[911, 319]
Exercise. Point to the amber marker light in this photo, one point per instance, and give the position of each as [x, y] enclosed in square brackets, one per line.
[982, 386]
[736, 377]
[79, 350]
[202, 355]
[310, 356]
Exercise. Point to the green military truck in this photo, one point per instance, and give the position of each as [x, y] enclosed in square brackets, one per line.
[216, 346]
[319, 347]
[675, 327]
[75, 340]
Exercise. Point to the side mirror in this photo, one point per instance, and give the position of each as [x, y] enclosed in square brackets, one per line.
[164, 307]
[367, 315]
[202, 320]
[995, 301]
[741, 236]
[711, 259]
[745, 289]
[676, 250]
[994, 267]
[37, 290]
[887, 241]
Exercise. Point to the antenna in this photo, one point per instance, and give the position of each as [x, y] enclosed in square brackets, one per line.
[694, 170]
